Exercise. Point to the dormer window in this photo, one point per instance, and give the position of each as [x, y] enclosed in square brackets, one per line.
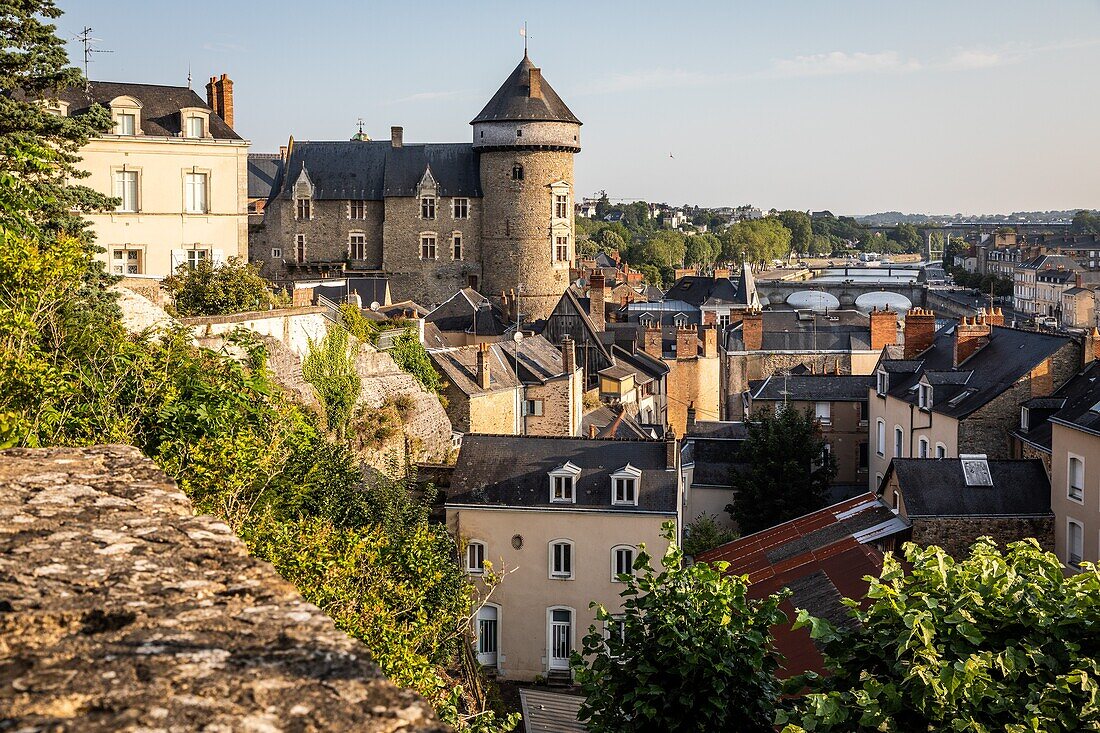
[561, 206]
[427, 207]
[883, 382]
[1024, 419]
[126, 114]
[563, 484]
[624, 486]
[924, 396]
[195, 127]
[125, 123]
[194, 122]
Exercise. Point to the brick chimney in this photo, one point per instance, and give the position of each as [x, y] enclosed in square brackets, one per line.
[568, 356]
[884, 328]
[691, 416]
[995, 317]
[752, 330]
[1092, 346]
[535, 84]
[397, 136]
[672, 454]
[483, 366]
[970, 335]
[721, 273]
[597, 295]
[920, 331]
[219, 97]
[592, 430]
[651, 341]
[709, 318]
[710, 342]
[687, 342]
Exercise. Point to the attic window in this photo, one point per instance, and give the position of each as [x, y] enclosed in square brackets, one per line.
[624, 486]
[1024, 419]
[976, 469]
[883, 382]
[924, 396]
[563, 481]
[960, 397]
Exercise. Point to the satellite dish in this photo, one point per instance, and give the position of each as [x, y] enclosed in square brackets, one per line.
[517, 336]
[375, 305]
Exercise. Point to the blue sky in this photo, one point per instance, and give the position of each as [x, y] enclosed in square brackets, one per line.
[855, 107]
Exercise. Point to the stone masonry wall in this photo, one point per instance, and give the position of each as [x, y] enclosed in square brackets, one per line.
[741, 368]
[956, 535]
[120, 610]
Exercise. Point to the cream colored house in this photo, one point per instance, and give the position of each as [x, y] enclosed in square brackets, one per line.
[178, 168]
[563, 517]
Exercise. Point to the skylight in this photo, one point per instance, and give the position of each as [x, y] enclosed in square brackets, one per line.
[976, 469]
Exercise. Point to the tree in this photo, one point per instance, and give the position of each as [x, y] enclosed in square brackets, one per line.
[992, 642]
[651, 274]
[701, 249]
[603, 205]
[330, 368]
[908, 238]
[689, 652]
[206, 289]
[703, 533]
[791, 470]
[1086, 222]
[802, 234]
[756, 241]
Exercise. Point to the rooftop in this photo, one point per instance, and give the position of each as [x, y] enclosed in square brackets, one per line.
[813, 388]
[939, 487]
[513, 102]
[160, 106]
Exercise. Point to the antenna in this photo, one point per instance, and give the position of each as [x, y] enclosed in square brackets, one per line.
[523, 32]
[85, 37]
[360, 125]
[189, 76]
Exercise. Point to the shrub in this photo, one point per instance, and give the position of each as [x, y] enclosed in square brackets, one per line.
[330, 368]
[206, 289]
[703, 534]
[411, 356]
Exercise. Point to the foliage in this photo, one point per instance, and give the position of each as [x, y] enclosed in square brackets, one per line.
[992, 642]
[756, 241]
[411, 356]
[802, 233]
[206, 289]
[689, 652]
[363, 329]
[330, 368]
[371, 427]
[704, 533]
[1086, 222]
[702, 250]
[790, 473]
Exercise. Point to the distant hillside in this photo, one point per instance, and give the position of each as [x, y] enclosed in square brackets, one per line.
[891, 218]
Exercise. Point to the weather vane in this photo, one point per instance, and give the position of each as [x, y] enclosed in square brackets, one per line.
[523, 32]
[85, 37]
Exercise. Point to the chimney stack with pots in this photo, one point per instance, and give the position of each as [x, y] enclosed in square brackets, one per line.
[752, 330]
[483, 366]
[597, 295]
[687, 342]
[651, 341]
[970, 335]
[219, 97]
[397, 136]
[884, 328]
[568, 356]
[920, 331]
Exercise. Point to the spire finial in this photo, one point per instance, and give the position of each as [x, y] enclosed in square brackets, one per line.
[523, 32]
[189, 76]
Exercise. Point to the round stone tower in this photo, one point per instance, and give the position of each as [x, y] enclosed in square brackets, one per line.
[526, 138]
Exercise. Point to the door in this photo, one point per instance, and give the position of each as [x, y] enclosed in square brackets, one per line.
[487, 636]
[561, 632]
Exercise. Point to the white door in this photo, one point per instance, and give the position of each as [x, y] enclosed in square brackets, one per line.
[561, 627]
[487, 635]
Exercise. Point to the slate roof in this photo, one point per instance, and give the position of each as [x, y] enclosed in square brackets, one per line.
[1044, 262]
[813, 387]
[1008, 356]
[822, 557]
[1081, 409]
[468, 311]
[374, 170]
[160, 106]
[718, 429]
[840, 330]
[513, 471]
[699, 289]
[539, 362]
[263, 174]
[513, 101]
[715, 460]
[1058, 275]
[936, 487]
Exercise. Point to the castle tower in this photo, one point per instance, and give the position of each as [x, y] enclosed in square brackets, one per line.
[526, 138]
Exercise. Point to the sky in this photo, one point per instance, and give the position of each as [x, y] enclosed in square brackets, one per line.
[852, 106]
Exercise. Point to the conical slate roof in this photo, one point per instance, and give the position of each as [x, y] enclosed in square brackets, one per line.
[513, 101]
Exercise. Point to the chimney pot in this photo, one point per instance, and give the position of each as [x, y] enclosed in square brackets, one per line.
[397, 135]
[920, 331]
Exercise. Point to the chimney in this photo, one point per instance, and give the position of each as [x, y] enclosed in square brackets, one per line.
[884, 328]
[709, 318]
[995, 317]
[919, 330]
[597, 295]
[752, 330]
[970, 335]
[651, 342]
[592, 430]
[690, 416]
[483, 366]
[397, 135]
[671, 452]
[710, 342]
[568, 356]
[513, 301]
[225, 99]
[212, 91]
[535, 84]
[687, 342]
[1092, 346]
[282, 152]
[721, 273]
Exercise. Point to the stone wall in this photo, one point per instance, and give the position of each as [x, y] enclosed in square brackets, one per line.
[740, 368]
[956, 535]
[493, 412]
[294, 327]
[123, 611]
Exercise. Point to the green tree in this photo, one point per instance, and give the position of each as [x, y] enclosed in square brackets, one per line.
[652, 275]
[802, 234]
[689, 652]
[704, 533]
[206, 289]
[701, 250]
[1086, 222]
[330, 368]
[411, 356]
[993, 642]
[908, 238]
[756, 240]
[603, 205]
[791, 470]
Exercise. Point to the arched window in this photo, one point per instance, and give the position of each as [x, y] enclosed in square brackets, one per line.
[899, 441]
[880, 437]
[561, 559]
[923, 447]
[941, 450]
[517, 172]
[622, 562]
[475, 557]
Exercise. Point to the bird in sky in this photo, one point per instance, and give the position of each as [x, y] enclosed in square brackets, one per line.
[671, 155]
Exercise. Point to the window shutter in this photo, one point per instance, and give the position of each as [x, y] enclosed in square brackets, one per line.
[178, 258]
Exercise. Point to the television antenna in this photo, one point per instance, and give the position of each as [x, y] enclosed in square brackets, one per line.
[85, 38]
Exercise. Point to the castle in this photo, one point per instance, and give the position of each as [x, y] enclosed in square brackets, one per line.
[495, 214]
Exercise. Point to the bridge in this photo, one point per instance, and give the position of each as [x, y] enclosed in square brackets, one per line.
[777, 291]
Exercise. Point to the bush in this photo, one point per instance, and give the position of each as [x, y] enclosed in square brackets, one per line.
[330, 368]
[213, 290]
[703, 534]
[411, 356]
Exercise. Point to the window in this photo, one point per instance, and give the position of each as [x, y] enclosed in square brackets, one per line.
[427, 207]
[899, 441]
[924, 396]
[300, 248]
[517, 172]
[1076, 479]
[304, 209]
[625, 491]
[864, 411]
[519, 132]
[923, 447]
[195, 127]
[561, 249]
[276, 253]
[475, 557]
[126, 262]
[532, 407]
[427, 246]
[1024, 418]
[863, 457]
[488, 635]
[195, 256]
[561, 637]
[460, 208]
[941, 450]
[125, 124]
[897, 502]
[880, 444]
[622, 562]
[126, 188]
[561, 559]
[357, 209]
[562, 489]
[456, 246]
[561, 206]
[194, 185]
[823, 412]
[1075, 543]
[357, 246]
[883, 382]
